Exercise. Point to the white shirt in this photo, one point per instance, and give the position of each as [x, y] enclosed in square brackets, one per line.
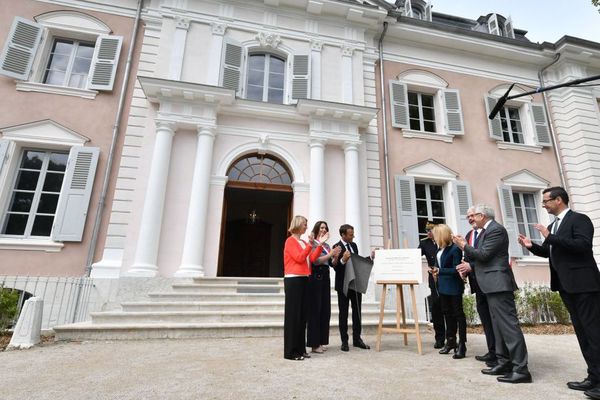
[560, 217]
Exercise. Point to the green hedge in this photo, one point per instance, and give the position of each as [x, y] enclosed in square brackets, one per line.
[8, 307]
[535, 305]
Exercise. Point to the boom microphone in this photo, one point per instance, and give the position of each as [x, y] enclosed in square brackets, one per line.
[500, 103]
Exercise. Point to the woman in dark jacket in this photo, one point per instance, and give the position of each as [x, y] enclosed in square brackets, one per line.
[450, 288]
[319, 293]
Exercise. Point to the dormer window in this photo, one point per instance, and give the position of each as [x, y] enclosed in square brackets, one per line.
[419, 9]
[500, 26]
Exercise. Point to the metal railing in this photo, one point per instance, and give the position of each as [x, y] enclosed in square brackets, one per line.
[66, 299]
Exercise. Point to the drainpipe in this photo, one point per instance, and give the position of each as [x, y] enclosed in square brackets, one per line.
[115, 134]
[386, 163]
[561, 173]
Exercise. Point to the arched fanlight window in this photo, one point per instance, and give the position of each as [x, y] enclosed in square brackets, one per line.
[259, 169]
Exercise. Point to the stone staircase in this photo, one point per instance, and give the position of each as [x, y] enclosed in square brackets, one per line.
[205, 307]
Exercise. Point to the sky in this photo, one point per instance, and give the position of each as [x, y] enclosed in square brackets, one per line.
[544, 20]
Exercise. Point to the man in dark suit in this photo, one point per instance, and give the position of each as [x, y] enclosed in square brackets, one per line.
[574, 274]
[355, 298]
[466, 269]
[429, 249]
[495, 278]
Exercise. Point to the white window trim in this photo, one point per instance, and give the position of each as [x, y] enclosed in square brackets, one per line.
[533, 148]
[61, 24]
[286, 71]
[526, 118]
[33, 135]
[426, 83]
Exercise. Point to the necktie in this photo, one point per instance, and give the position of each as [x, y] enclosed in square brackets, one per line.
[348, 247]
[474, 237]
[555, 225]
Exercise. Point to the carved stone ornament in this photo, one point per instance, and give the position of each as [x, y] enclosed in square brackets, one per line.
[347, 51]
[316, 45]
[182, 23]
[268, 39]
[217, 28]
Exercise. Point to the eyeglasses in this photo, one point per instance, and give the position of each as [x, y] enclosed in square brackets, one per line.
[546, 201]
[473, 215]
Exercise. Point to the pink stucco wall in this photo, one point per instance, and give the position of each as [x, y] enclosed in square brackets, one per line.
[91, 118]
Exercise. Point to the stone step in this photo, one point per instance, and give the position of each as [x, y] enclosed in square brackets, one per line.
[90, 331]
[232, 287]
[209, 316]
[192, 296]
[200, 305]
[240, 280]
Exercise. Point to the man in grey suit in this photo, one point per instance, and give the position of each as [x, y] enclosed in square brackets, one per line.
[496, 280]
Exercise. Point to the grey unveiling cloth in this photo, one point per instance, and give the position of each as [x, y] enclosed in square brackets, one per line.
[357, 273]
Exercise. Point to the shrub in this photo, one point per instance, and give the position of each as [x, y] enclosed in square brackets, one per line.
[8, 307]
[470, 309]
[558, 308]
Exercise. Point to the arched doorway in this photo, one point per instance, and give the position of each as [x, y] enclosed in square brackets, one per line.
[256, 213]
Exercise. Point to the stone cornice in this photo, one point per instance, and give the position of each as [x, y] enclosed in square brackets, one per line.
[348, 113]
[159, 90]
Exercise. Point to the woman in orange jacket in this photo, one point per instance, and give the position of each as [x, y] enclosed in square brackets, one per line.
[297, 256]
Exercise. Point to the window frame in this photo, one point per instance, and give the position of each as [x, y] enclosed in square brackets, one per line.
[527, 224]
[69, 71]
[420, 107]
[505, 114]
[37, 193]
[266, 71]
[429, 201]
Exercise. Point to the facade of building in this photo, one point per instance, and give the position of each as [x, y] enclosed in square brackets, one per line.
[245, 114]
[62, 68]
[442, 77]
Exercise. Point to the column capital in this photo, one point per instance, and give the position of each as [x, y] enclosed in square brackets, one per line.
[347, 50]
[218, 28]
[207, 130]
[317, 142]
[182, 23]
[316, 45]
[165, 125]
[350, 146]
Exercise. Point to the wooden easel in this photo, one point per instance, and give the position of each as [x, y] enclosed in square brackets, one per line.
[400, 327]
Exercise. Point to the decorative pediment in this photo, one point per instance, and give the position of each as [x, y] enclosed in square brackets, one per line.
[44, 131]
[500, 90]
[525, 179]
[73, 21]
[431, 169]
[422, 78]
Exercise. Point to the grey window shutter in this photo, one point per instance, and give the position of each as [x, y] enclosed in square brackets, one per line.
[75, 194]
[408, 8]
[509, 218]
[428, 11]
[105, 62]
[540, 125]
[453, 111]
[493, 27]
[300, 77]
[510, 32]
[20, 48]
[399, 104]
[3, 151]
[406, 211]
[461, 191]
[231, 64]
[494, 125]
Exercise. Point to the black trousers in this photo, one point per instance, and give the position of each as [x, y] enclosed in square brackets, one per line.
[510, 342]
[437, 316]
[355, 299]
[452, 307]
[294, 325]
[319, 309]
[483, 309]
[584, 309]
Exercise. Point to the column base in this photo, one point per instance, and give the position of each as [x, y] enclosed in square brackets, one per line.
[190, 271]
[142, 270]
[109, 266]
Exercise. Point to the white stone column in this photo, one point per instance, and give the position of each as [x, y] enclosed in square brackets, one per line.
[315, 64]
[216, 47]
[150, 227]
[352, 189]
[317, 180]
[195, 231]
[178, 50]
[347, 81]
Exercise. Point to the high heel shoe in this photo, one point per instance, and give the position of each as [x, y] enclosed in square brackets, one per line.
[460, 351]
[448, 347]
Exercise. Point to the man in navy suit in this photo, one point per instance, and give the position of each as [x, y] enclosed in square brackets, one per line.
[355, 298]
[574, 274]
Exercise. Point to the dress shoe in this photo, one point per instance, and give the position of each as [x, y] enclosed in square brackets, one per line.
[593, 393]
[516, 377]
[345, 347]
[318, 350]
[491, 364]
[486, 357]
[361, 344]
[438, 344]
[448, 347]
[306, 355]
[500, 369]
[460, 351]
[584, 385]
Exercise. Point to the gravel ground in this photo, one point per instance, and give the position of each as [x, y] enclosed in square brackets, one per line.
[243, 369]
